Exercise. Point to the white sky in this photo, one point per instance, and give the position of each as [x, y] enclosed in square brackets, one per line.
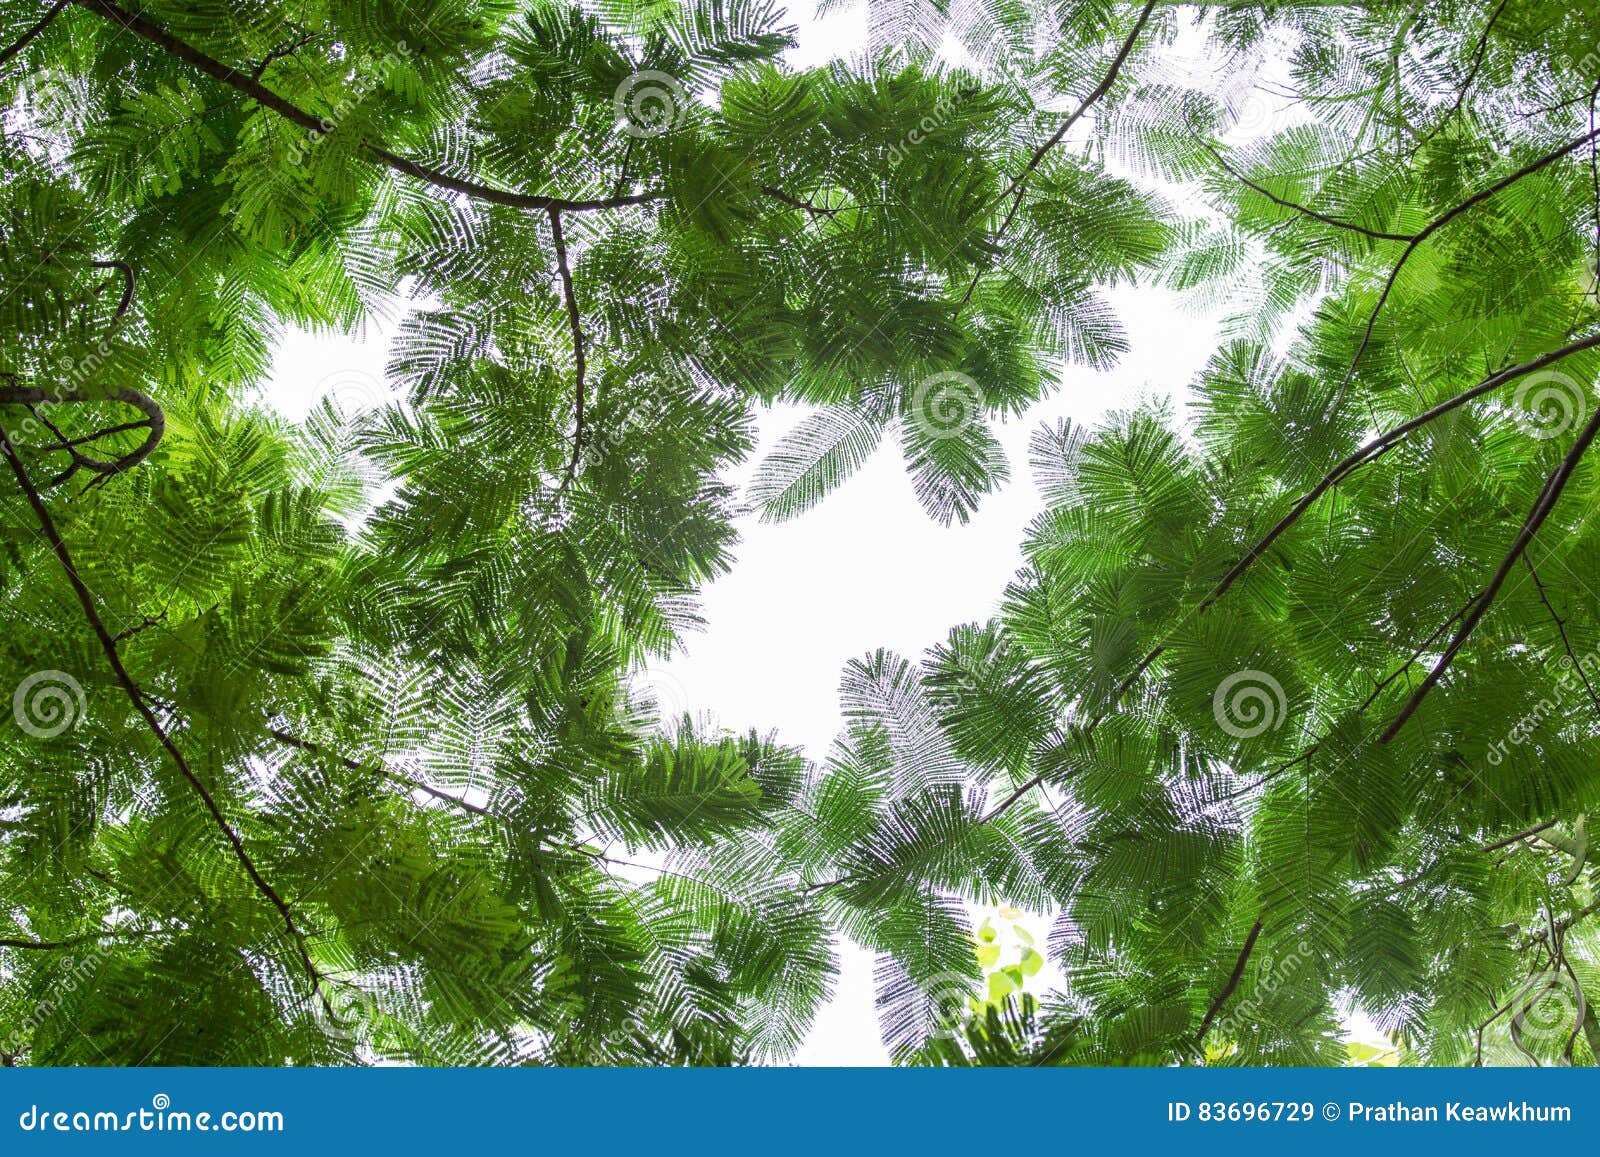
[866, 569]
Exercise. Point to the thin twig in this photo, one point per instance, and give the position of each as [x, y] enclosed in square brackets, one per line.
[1518, 837]
[129, 279]
[1303, 210]
[1014, 189]
[1415, 655]
[1594, 180]
[1368, 452]
[154, 424]
[1561, 628]
[148, 622]
[279, 53]
[443, 796]
[457, 801]
[1477, 62]
[1433, 227]
[799, 202]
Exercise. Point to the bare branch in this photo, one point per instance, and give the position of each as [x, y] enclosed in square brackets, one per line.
[1517, 837]
[1100, 90]
[144, 625]
[1368, 452]
[279, 53]
[799, 202]
[312, 748]
[129, 278]
[1477, 60]
[1566, 643]
[1439, 223]
[1337, 223]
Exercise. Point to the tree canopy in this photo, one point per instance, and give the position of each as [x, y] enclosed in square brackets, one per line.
[325, 744]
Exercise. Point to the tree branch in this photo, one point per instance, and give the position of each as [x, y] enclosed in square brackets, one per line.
[129, 278]
[155, 425]
[442, 796]
[1406, 666]
[1368, 452]
[26, 38]
[1380, 445]
[1375, 234]
[799, 202]
[578, 357]
[1233, 980]
[136, 697]
[278, 53]
[1594, 184]
[1433, 227]
[312, 748]
[1566, 643]
[1100, 90]
[147, 622]
[1517, 837]
[1543, 505]
[265, 97]
[1014, 189]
